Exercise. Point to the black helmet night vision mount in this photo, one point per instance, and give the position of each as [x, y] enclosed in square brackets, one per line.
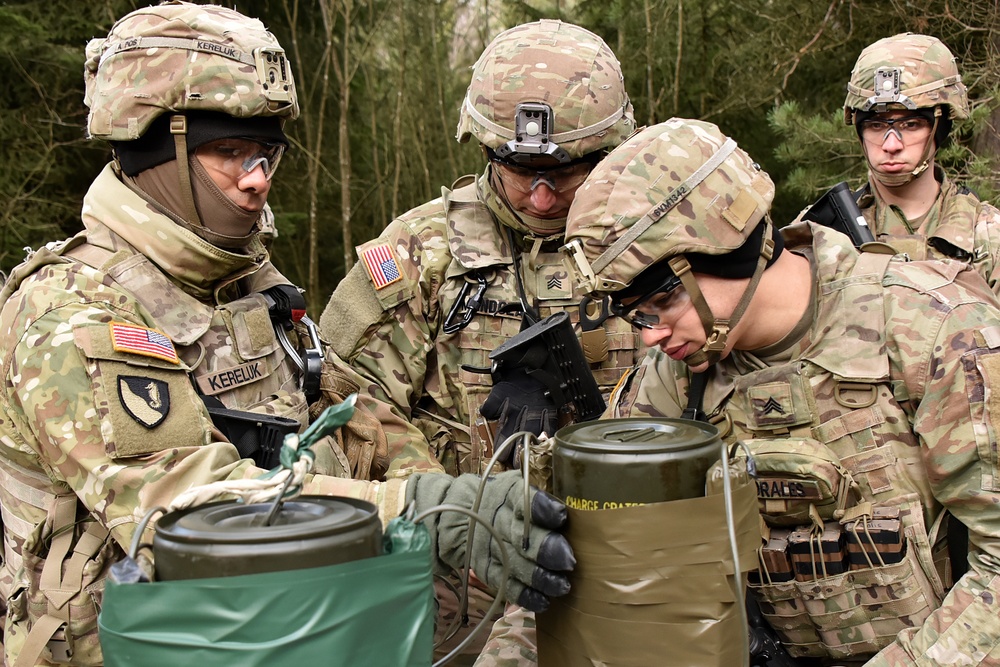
[533, 123]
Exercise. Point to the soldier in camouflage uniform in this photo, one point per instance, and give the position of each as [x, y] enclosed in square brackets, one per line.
[449, 281]
[871, 371]
[903, 95]
[114, 343]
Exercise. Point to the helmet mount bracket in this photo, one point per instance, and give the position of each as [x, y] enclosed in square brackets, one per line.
[533, 123]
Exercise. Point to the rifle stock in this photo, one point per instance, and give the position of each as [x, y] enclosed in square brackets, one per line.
[837, 209]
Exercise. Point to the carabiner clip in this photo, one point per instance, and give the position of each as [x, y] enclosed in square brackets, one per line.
[312, 362]
[309, 361]
[469, 307]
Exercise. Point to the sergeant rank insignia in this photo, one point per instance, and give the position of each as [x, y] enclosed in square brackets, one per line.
[145, 400]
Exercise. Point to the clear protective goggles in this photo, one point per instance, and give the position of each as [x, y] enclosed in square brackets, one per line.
[238, 156]
[560, 179]
[908, 129]
[658, 308]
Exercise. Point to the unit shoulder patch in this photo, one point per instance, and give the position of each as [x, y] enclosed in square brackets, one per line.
[145, 399]
[143, 341]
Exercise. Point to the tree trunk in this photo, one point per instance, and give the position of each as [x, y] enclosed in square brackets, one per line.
[345, 144]
[315, 164]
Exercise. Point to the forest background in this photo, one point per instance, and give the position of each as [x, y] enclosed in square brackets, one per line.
[380, 83]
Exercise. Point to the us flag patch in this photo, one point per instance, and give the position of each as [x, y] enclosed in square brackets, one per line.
[381, 264]
[140, 340]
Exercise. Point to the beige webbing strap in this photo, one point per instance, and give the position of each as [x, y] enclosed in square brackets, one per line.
[202, 45]
[42, 630]
[59, 587]
[41, 633]
[178, 128]
[717, 332]
[72, 580]
[558, 137]
[64, 517]
[910, 92]
[393, 500]
[862, 509]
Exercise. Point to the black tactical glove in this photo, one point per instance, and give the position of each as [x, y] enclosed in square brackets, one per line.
[536, 574]
[519, 402]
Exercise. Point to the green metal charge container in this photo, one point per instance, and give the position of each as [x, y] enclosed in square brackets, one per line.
[615, 463]
[228, 538]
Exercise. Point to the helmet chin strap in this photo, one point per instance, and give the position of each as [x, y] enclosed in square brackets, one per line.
[897, 180]
[717, 329]
[178, 128]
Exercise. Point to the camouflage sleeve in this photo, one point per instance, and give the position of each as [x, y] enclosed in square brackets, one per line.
[651, 389]
[406, 450]
[67, 410]
[385, 331]
[512, 641]
[987, 234]
[952, 375]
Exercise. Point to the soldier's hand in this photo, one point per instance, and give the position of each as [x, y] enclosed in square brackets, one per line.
[536, 573]
[519, 402]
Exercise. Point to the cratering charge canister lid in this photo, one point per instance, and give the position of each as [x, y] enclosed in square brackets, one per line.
[229, 538]
[613, 463]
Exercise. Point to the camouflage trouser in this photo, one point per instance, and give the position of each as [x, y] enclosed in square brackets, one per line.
[479, 603]
[512, 641]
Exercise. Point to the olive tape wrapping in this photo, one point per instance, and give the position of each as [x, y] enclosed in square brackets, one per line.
[636, 589]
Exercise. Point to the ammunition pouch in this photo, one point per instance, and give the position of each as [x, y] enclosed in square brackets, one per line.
[826, 616]
[821, 547]
[795, 474]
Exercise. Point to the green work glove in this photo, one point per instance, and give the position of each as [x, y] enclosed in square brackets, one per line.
[536, 574]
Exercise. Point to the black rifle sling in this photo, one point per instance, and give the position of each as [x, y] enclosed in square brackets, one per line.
[696, 394]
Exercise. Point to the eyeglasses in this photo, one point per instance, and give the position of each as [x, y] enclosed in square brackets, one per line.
[238, 157]
[559, 179]
[908, 129]
[659, 308]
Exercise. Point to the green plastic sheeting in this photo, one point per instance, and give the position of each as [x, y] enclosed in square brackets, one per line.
[377, 611]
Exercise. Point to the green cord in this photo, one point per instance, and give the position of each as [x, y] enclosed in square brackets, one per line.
[296, 446]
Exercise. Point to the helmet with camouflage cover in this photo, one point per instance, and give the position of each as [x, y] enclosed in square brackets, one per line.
[562, 72]
[676, 198]
[171, 78]
[906, 71]
[178, 57]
